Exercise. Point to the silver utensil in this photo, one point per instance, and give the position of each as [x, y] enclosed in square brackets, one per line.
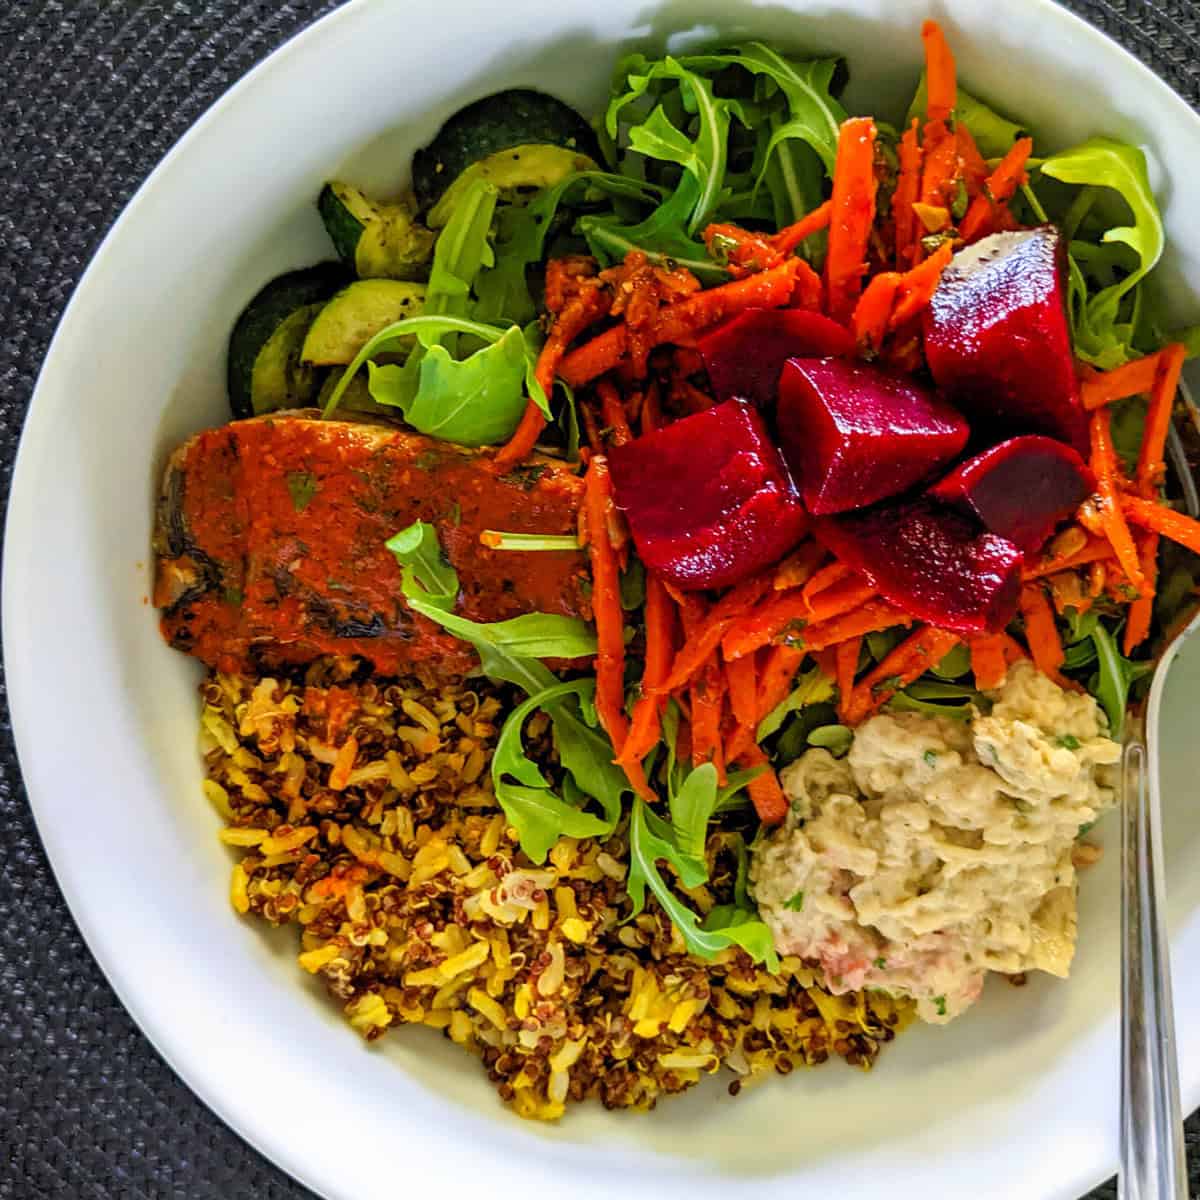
[1153, 1163]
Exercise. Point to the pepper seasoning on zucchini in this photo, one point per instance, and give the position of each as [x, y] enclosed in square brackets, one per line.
[356, 314]
[379, 241]
[265, 368]
[519, 140]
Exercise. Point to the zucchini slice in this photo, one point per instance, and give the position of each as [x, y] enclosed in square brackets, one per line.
[380, 241]
[358, 312]
[279, 378]
[520, 119]
[356, 397]
[271, 308]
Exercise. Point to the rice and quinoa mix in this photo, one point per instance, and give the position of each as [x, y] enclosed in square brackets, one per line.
[363, 812]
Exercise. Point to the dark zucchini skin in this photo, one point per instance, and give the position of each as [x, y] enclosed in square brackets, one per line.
[517, 117]
[343, 228]
[260, 318]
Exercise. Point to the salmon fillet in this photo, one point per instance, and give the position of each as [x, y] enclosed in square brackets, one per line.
[270, 535]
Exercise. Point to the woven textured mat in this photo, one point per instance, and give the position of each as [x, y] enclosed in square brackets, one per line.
[92, 94]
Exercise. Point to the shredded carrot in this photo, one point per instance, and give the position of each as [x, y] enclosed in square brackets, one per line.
[591, 360]
[870, 617]
[941, 93]
[768, 797]
[916, 288]
[606, 603]
[873, 311]
[790, 236]
[743, 250]
[1067, 591]
[845, 667]
[1136, 378]
[997, 190]
[1141, 611]
[1159, 519]
[826, 577]
[775, 678]
[798, 568]
[908, 661]
[853, 214]
[585, 309]
[939, 169]
[742, 686]
[1041, 632]
[988, 662]
[612, 410]
[1013, 650]
[907, 193]
[1093, 549]
[706, 637]
[680, 322]
[1150, 465]
[1106, 505]
[660, 639]
[707, 694]
[764, 623]
[972, 165]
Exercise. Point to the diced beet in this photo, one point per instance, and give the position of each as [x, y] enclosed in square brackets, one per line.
[931, 562]
[997, 337]
[744, 356]
[708, 499]
[854, 434]
[1020, 489]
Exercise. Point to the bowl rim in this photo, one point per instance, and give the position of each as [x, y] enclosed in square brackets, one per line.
[21, 522]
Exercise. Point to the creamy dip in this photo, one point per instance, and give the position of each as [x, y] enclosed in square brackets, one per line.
[939, 850]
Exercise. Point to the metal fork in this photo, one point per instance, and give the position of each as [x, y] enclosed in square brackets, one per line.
[1153, 1164]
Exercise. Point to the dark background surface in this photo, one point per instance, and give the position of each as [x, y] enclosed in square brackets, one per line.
[92, 94]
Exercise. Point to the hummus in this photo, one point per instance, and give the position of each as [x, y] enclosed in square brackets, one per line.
[939, 850]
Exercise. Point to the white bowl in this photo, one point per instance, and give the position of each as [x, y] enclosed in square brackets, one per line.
[1017, 1099]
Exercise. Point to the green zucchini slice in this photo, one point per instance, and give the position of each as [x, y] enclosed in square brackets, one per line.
[255, 328]
[380, 241]
[518, 119]
[358, 312]
[279, 378]
[356, 397]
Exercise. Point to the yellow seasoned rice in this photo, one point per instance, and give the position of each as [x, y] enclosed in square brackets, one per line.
[415, 906]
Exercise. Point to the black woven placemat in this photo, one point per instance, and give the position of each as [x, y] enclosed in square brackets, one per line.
[92, 94]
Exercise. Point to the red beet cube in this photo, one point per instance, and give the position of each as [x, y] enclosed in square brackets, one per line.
[1020, 489]
[853, 434]
[708, 499]
[745, 355]
[931, 562]
[998, 341]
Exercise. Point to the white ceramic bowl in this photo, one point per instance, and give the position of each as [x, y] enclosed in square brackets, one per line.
[1017, 1099]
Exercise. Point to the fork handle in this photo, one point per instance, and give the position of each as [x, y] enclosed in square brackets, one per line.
[1153, 1165]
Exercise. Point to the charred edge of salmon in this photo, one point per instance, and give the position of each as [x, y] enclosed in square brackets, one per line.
[184, 572]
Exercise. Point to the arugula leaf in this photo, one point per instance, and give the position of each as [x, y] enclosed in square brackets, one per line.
[649, 842]
[521, 230]
[834, 738]
[461, 251]
[813, 117]
[733, 795]
[538, 814]
[993, 134]
[505, 648]
[955, 665]
[418, 549]
[1114, 678]
[814, 687]
[740, 919]
[692, 807]
[1103, 325]
[474, 402]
